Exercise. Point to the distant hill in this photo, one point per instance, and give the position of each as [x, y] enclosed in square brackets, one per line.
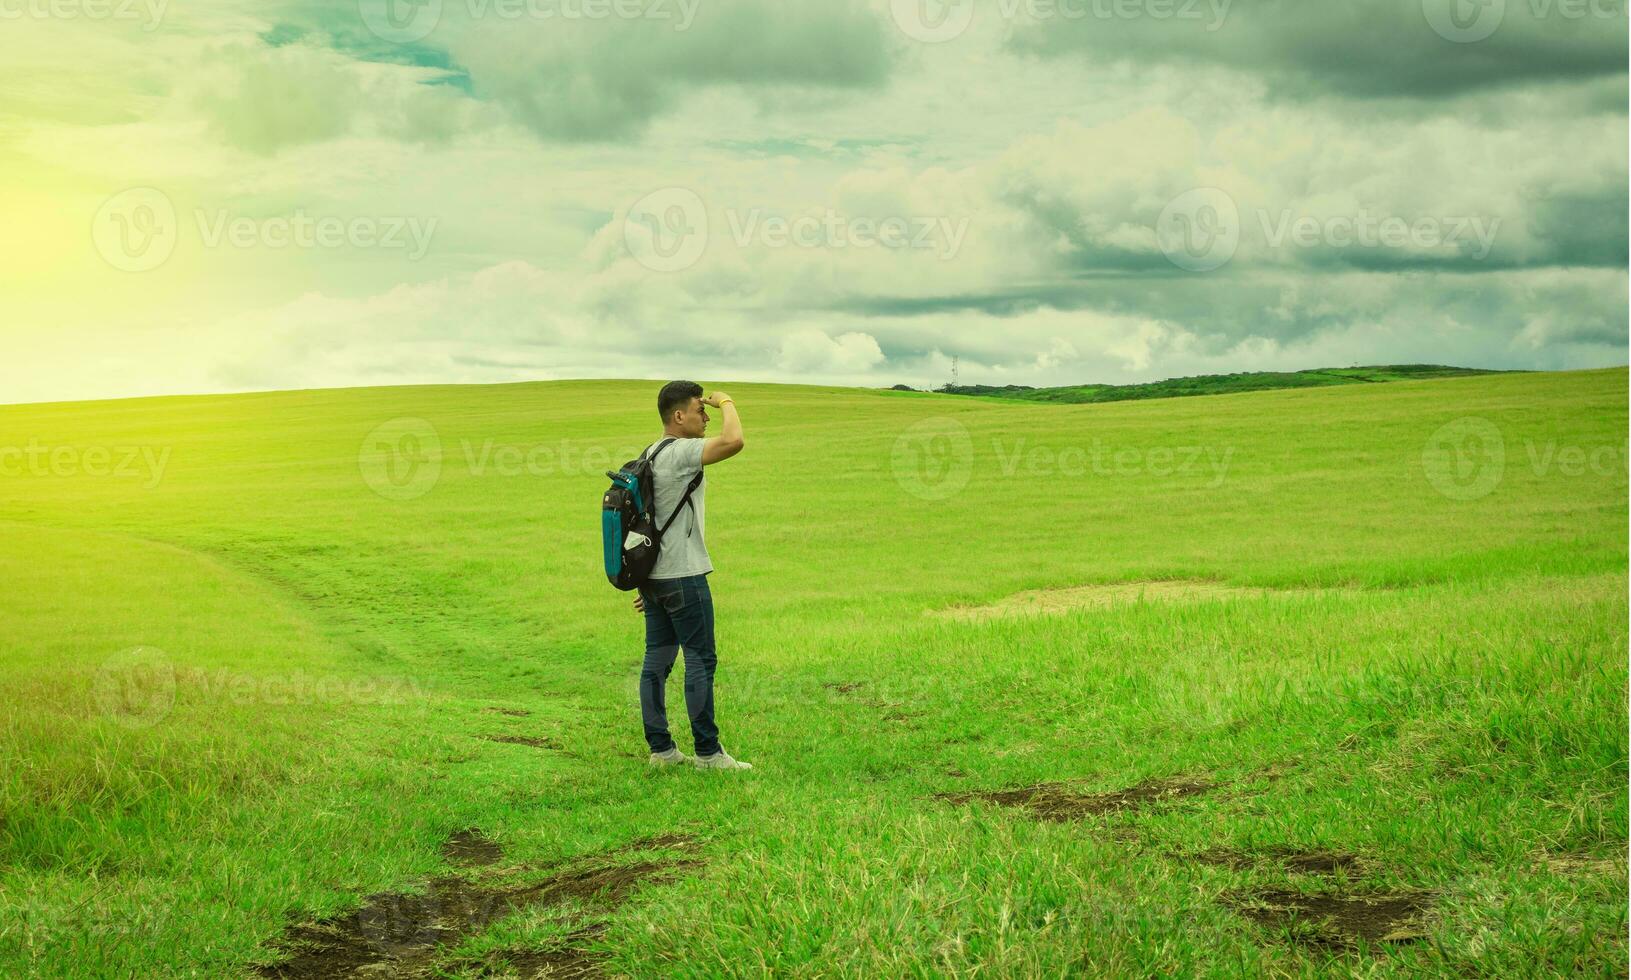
[1220, 384]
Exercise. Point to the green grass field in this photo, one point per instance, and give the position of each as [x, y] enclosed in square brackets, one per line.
[1371, 720]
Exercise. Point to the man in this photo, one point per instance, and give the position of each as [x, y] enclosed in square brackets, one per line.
[678, 607]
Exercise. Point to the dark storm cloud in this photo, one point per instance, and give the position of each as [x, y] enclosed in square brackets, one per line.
[1357, 48]
[1514, 313]
[598, 79]
[1413, 199]
[606, 81]
[1584, 228]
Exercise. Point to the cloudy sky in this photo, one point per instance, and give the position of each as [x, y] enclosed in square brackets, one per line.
[223, 195]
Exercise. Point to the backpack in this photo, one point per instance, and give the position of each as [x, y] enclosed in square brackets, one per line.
[630, 538]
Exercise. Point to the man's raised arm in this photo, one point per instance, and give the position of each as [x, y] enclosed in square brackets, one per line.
[729, 442]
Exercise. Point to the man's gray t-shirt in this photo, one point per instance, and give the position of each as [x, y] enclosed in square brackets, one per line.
[683, 552]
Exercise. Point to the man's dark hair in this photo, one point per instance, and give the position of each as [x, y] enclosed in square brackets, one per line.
[676, 394]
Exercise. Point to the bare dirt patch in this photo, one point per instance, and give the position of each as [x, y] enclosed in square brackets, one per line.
[1338, 921]
[846, 688]
[471, 849]
[511, 712]
[1318, 862]
[392, 934]
[528, 740]
[402, 934]
[1061, 803]
[1043, 602]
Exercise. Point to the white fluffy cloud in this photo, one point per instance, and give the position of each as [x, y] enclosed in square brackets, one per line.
[813, 352]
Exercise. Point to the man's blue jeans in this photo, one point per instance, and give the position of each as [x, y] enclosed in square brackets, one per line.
[679, 613]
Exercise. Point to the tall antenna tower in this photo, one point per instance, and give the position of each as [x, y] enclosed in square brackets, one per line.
[954, 372]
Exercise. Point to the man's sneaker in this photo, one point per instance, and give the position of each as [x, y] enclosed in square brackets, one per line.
[719, 760]
[670, 758]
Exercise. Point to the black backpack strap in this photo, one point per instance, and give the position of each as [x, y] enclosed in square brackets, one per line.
[651, 452]
[696, 481]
